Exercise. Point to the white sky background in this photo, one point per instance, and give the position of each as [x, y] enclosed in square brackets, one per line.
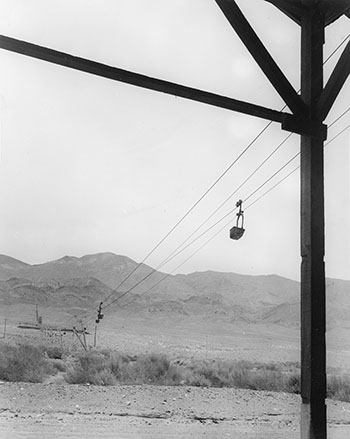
[91, 165]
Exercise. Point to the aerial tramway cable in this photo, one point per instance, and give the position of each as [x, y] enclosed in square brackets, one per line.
[191, 209]
[213, 185]
[227, 224]
[230, 212]
[222, 218]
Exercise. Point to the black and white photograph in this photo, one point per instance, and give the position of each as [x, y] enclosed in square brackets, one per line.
[174, 219]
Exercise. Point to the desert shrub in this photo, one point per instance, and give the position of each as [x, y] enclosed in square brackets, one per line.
[215, 374]
[174, 376]
[152, 368]
[92, 368]
[338, 387]
[271, 376]
[53, 352]
[293, 383]
[241, 374]
[57, 365]
[291, 366]
[197, 380]
[147, 369]
[267, 366]
[266, 380]
[107, 368]
[23, 363]
[119, 365]
[157, 369]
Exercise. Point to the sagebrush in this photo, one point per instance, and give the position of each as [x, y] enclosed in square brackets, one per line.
[23, 363]
[28, 363]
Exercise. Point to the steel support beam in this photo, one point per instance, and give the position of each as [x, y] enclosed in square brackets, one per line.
[313, 307]
[335, 83]
[262, 57]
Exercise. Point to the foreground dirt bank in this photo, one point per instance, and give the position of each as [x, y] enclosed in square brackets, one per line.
[77, 411]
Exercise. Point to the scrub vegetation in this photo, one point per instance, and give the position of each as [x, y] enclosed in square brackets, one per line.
[29, 363]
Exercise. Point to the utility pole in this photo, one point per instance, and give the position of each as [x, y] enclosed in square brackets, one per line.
[97, 321]
[83, 332]
[95, 335]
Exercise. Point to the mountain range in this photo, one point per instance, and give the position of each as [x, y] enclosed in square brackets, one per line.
[77, 285]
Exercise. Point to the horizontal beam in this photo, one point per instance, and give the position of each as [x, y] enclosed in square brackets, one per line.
[330, 9]
[335, 83]
[262, 57]
[288, 121]
[136, 79]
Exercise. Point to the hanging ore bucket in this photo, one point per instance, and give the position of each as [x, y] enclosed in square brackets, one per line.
[237, 231]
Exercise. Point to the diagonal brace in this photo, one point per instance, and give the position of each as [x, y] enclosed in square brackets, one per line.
[263, 58]
[334, 84]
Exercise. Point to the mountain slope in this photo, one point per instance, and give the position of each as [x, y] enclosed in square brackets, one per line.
[77, 285]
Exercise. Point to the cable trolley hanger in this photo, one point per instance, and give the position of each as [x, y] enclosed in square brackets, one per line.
[237, 232]
[99, 313]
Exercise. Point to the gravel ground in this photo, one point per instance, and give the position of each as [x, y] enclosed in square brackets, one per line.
[81, 411]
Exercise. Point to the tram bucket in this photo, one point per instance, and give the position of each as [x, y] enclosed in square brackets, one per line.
[236, 232]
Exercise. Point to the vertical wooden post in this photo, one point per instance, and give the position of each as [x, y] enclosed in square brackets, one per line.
[84, 336]
[95, 335]
[313, 319]
[61, 339]
[5, 323]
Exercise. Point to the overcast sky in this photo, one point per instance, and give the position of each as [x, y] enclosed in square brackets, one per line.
[90, 165]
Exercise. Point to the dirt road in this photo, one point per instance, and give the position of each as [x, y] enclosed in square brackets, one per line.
[76, 411]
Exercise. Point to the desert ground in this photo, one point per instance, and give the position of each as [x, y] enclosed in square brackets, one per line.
[184, 337]
[77, 411]
[55, 409]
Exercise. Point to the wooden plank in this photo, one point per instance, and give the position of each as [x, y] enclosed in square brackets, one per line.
[288, 121]
[332, 9]
[313, 308]
[263, 58]
[136, 79]
[335, 83]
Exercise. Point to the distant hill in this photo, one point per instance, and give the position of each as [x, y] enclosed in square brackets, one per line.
[75, 295]
[252, 292]
[10, 266]
[107, 267]
[77, 285]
